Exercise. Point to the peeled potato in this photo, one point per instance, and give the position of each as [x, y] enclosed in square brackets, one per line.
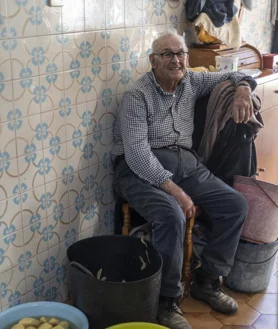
[31, 328]
[43, 319]
[64, 324]
[58, 327]
[18, 326]
[30, 322]
[45, 326]
[54, 321]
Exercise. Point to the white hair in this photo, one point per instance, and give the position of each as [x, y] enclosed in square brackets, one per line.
[155, 43]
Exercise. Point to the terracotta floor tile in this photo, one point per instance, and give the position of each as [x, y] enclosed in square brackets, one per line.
[245, 316]
[202, 321]
[266, 322]
[192, 305]
[238, 296]
[237, 327]
[265, 303]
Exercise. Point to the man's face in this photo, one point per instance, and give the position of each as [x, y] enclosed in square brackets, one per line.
[166, 68]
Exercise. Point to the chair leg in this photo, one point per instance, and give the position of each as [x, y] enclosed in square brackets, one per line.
[126, 226]
[187, 256]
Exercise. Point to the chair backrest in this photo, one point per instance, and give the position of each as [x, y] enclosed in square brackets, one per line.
[199, 120]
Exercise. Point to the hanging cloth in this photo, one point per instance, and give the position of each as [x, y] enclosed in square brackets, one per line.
[219, 11]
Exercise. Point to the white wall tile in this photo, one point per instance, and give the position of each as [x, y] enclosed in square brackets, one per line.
[23, 18]
[33, 209]
[10, 214]
[55, 159]
[31, 167]
[28, 96]
[38, 272]
[51, 21]
[30, 135]
[53, 54]
[6, 100]
[5, 62]
[75, 51]
[11, 247]
[76, 86]
[94, 15]
[95, 50]
[73, 16]
[26, 58]
[52, 89]
[8, 179]
[13, 285]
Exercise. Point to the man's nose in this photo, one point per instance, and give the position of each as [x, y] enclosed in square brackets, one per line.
[175, 58]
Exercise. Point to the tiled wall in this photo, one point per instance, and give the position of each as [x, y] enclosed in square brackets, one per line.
[62, 74]
[256, 27]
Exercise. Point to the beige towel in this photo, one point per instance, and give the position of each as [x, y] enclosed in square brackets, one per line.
[228, 33]
[219, 111]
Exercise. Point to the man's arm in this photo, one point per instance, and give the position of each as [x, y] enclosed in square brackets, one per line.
[242, 109]
[204, 82]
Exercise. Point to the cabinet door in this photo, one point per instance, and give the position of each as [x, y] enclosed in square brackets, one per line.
[270, 94]
[267, 147]
[260, 92]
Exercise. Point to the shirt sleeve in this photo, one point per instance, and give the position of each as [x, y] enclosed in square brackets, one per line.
[134, 129]
[204, 82]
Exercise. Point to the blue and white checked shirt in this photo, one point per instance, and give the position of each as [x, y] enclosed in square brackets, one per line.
[149, 117]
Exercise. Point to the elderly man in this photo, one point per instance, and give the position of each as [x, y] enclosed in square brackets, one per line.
[159, 174]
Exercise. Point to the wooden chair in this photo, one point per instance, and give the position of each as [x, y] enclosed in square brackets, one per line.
[188, 244]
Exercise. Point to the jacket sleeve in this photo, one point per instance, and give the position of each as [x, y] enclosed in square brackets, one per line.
[204, 82]
[134, 129]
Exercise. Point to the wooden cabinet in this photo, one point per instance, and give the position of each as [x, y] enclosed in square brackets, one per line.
[270, 94]
[267, 140]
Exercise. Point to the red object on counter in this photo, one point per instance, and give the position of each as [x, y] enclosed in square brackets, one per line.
[270, 61]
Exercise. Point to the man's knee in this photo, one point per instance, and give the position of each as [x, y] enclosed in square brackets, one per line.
[170, 214]
[240, 204]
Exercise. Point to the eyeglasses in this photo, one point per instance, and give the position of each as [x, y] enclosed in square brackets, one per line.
[168, 55]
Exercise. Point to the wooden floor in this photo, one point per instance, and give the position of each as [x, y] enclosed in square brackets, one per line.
[256, 311]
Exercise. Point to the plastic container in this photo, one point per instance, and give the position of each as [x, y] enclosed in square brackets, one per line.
[115, 279]
[226, 64]
[137, 325]
[49, 309]
[252, 268]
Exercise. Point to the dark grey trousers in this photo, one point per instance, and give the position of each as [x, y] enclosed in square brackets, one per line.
[224, 206]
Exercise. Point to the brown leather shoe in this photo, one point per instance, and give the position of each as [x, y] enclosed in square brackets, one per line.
[209, 290]
[170, 315]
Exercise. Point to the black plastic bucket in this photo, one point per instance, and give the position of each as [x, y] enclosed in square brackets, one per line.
[252, 268]
[115, 279]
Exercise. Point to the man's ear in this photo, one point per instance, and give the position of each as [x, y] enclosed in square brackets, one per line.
[152, 60]
[187, 61]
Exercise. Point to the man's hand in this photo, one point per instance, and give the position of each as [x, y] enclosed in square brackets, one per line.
[242, 109]
[182, 198]
[186, 204]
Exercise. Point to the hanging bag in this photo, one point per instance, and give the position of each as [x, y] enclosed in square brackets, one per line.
[261, 224]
